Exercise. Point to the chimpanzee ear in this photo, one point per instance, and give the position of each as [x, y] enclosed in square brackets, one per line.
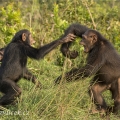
[94, 38]
[24, 37]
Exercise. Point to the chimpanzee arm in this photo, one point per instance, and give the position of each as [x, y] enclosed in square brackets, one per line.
[29, 76]
[42, 51]
[76, 74]
[77, 30]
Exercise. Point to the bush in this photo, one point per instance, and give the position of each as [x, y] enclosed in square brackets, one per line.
[11, 21]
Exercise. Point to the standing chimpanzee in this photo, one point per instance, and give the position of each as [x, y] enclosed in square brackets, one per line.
[13, 66]
[104, 63]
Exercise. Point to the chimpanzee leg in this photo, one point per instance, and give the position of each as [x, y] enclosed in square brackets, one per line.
[115, 89]
[95, 94]
[29, 76]
[11, 90]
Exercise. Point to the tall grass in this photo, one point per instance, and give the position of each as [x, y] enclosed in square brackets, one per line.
[68, 101]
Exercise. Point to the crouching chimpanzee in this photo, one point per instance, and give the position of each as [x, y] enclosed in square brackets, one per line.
[13, 66]
[104, 63]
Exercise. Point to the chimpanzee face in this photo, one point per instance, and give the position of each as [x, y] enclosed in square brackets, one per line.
[27, 37]
[88, 40]
[32, 41]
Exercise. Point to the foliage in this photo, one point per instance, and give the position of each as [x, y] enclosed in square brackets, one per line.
[11, 21]
[60, 23]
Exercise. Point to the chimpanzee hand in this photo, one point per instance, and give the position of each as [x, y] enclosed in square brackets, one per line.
[68, 38]
[72, 54]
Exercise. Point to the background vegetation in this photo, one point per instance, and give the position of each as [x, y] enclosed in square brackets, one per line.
[47, 19]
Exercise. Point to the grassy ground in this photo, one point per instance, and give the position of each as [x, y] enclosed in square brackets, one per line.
[61, 102]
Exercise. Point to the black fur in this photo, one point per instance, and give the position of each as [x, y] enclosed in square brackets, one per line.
[76, 29]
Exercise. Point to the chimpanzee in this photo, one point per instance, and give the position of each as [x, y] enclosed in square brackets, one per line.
[103, 62]
[13, 66]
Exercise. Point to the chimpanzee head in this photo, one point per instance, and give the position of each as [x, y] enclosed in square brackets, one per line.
[89, 39]
[25, 36]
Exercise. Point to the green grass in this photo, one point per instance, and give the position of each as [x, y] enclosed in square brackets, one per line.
[68, 101]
